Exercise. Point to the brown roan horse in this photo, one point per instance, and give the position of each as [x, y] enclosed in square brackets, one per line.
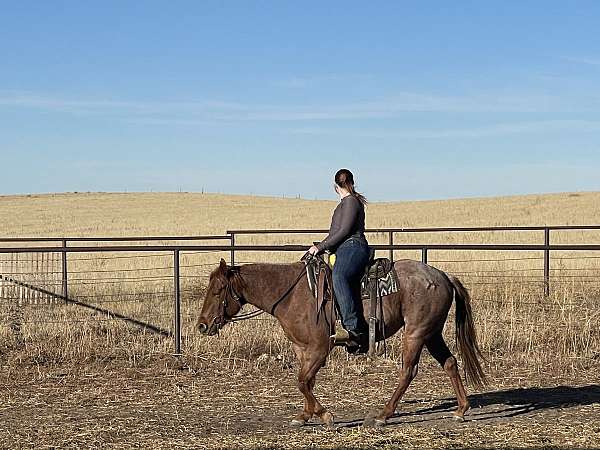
[421, 306]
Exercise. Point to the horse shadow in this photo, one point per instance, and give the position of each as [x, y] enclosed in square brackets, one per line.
[495, 405]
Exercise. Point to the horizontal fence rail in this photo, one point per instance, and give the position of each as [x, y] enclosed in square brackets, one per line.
[297, 248]
[424, 257]
[115, 239]
[424, 229]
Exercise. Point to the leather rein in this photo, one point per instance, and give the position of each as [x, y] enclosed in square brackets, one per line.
[221, 319]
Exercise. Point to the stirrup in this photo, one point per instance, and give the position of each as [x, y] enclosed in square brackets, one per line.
[341, 336]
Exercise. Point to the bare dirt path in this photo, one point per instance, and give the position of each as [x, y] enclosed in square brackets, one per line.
[164, 407]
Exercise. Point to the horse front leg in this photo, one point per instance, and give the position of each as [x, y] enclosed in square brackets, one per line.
[323, 414]
[310, 363]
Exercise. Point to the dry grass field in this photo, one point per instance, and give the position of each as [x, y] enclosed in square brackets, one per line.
[73, 378]
[93, 214]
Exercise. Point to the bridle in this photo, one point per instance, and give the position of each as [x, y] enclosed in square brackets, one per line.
[230, 293]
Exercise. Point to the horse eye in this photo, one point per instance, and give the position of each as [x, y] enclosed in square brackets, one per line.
[217, 290]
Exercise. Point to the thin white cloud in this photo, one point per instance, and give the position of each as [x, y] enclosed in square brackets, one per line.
[302, 82]
[165, 112]
[295, 83]
[107, 106]
[587, 61]
[500, 129]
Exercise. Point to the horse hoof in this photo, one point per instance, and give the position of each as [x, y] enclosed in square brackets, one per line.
[297, 423]
[379, 422]
[372, 421]
[368, 422]
[327, 419]
[458, 418]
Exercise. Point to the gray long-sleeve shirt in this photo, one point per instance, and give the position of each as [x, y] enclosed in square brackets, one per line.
[348, 220]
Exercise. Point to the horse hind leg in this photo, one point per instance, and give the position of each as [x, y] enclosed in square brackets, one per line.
[439, 350]
[410, 366]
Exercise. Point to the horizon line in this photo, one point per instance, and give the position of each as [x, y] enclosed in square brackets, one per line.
[293, 197]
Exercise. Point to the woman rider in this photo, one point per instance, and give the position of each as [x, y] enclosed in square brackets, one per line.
[347, 239]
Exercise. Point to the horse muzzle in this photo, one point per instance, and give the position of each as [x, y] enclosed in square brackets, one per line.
[208, 330]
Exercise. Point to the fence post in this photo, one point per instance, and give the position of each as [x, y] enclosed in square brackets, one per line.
[424, 255]
[547, 262]
[65, 285]
[17, 276]
[232, 258]
[36, 276]
[2, 275]
[391, 241]
[177, 309]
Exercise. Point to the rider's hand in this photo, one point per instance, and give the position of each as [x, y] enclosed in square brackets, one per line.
[313, 250]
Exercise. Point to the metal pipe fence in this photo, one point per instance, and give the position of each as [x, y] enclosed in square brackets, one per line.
[424, 256]
[68, 276]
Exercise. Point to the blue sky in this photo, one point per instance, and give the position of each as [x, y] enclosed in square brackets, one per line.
[420, 99]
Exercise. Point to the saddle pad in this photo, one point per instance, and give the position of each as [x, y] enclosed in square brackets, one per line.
[386, 285]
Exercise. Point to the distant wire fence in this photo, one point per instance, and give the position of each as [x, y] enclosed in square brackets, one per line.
[157, 284]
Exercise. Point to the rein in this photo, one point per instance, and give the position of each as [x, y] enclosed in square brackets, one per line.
[239, 299]
[300, 275]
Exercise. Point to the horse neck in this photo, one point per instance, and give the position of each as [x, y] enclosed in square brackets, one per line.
[266, 283]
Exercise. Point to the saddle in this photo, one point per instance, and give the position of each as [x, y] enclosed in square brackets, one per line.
[378, 270]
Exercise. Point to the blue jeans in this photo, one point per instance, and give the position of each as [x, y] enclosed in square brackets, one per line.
[351, 258]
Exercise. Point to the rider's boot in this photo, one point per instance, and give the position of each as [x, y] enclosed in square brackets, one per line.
[359, 343]
[356, 342]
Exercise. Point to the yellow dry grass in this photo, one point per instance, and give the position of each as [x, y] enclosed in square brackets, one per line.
[524, 335]
[119, 214]
[512, 315]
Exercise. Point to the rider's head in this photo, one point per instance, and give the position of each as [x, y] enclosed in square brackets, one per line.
[344, 182]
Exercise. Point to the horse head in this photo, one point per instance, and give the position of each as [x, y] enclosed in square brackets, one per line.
[223, 299]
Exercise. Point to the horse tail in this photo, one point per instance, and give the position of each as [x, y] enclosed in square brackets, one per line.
[466, 337]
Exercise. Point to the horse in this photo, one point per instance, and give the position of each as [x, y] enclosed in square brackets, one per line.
[420, 306]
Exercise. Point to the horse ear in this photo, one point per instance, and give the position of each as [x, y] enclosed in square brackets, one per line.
[223, 267]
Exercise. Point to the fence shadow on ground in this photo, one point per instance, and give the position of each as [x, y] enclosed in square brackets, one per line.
[493, 405]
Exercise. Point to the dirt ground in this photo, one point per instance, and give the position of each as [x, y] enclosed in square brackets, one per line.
[170, 405]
